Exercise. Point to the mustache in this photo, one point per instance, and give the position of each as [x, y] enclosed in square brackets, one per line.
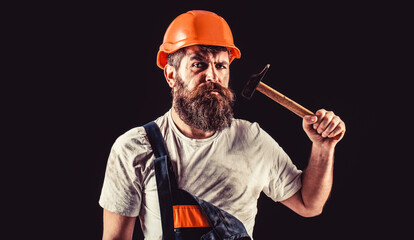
[212, 86]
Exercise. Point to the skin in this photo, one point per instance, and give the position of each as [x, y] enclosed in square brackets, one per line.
[117, 227]
[197, 68]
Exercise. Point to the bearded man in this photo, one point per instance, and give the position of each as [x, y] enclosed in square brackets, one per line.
[215, 157]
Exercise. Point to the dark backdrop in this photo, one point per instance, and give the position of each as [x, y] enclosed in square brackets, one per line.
[93, 76]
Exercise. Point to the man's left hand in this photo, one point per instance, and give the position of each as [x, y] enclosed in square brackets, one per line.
[324, 128]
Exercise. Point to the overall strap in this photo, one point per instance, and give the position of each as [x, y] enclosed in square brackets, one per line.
[165, 177]
[156, 139]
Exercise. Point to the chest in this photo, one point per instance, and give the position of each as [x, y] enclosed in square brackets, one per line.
[217, 173]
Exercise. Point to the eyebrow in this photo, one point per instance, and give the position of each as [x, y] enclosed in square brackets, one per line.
[200, 57]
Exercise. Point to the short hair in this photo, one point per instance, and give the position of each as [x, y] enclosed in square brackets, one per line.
[174, 59]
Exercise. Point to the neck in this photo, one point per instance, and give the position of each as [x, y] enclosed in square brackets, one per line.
[187, 130]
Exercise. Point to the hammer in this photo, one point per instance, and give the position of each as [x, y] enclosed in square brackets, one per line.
[255, 82]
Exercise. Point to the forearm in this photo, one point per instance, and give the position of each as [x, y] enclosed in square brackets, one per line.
[325, 130]
[317, 179]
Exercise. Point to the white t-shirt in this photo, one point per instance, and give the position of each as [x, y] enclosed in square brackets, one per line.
[229, 169]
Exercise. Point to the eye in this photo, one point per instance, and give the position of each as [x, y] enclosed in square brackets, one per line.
[221, 66]
[199, 65]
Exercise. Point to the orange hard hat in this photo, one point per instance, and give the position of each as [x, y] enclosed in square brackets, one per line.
[196, 27]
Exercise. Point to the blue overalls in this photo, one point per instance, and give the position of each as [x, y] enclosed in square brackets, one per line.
[184, 216]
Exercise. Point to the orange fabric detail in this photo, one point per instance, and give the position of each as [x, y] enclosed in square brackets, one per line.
[189, 216]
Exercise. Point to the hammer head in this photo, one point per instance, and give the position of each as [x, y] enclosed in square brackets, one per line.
[252, 84]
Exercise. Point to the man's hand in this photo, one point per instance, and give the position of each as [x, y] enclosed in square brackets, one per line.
[324, 129]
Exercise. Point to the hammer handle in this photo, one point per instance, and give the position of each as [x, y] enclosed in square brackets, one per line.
[283, 100]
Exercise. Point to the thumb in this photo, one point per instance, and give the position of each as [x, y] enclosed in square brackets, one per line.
[309, 119]
[308, 122]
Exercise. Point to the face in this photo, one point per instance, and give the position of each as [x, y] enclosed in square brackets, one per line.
[199, 67]
[200, 94]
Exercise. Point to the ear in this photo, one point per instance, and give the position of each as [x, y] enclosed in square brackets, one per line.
[169, 73]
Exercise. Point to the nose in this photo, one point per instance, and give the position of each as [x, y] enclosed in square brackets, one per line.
[211, 73]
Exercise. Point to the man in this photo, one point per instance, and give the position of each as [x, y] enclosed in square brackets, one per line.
[225, 161]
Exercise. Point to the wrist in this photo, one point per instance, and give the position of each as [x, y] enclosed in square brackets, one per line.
[323, 151]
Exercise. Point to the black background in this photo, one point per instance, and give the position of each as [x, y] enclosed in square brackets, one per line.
[89, 75]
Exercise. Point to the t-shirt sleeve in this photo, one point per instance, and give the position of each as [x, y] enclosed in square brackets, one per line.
[121, 190]
[284, 177]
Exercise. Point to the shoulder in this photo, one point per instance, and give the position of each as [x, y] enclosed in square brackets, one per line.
[132, 138]
[251, 137]
[246, 129]
[136, 138]
[244, 126]
[131, 143]
[134, 143]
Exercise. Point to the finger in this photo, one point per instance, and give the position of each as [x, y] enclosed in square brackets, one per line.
[325, 122]
[320, 114]
[339, 131]
[310, 119]
[332, 126]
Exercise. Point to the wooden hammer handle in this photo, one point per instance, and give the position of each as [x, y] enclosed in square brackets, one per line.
[283, 100]
[286, 102]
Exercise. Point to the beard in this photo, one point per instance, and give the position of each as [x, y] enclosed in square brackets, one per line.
[202, 109]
